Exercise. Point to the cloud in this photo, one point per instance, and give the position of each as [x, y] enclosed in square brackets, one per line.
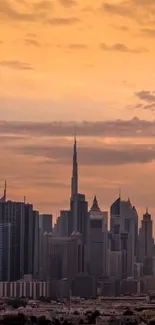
[121, 28]
[121, 48]
[76, 46]
[68, 3]
[63, 21]
[49, 204]
[89, 9]
[32, 12]
[138, 105]
[15, 64]
[43, 5]
[145, 95]
[105, 155]
[33, 35]
[148, 32]
[120, 9]
[49, 183]
[114, 128]
[147, 3]
[32, 42]
[9, 11]
[139, 10]
[150, 107]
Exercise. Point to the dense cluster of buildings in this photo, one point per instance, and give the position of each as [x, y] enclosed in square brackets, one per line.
[80, 255]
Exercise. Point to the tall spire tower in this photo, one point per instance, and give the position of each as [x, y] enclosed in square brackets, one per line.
[5, 191]
[4, 197]
[74, 182]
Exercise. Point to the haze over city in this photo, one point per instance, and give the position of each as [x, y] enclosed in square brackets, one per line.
[63, 61]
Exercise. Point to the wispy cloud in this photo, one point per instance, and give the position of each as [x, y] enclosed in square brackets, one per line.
[16, 64]
[121, 48]
[149, 32]
[121, 28]
[77, 46]
[63, 21]
[33, 42]
[68, 3]
[146, 95]
[43, 5]
[121, 9]
[115, 128]
[9, 11]
[34, 12]
[150, 107]
[103, 155]
[140, 10]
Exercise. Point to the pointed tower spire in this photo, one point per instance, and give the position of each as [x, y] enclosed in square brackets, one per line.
[119, 193]
[5, 191]
[74, 189]
[4, 197]
[95, 206]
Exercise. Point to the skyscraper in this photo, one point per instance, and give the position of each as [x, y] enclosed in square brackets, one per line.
[36, 241]
[5, 250]
[77, 219]
[45, 222]
[24, 225]
[45, 225]
[124, 233]
[14, 213]
[3, 198]
[79, 212]
[64, 257]
[146, 243]
[28, 239]
[74, 180]
[98, 240]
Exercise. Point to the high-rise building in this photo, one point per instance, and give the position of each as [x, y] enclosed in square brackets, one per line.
[146, 243]
[14, 213]
[45, 222]
[115, 267]
[124, 233]
[64, 226]
[62, 256]
[74, 180]
[36, 243]
[4, 197]
[23, 237]
[98, 241]
[77, 219]
[79, 213]
[45, 225]
[31, 240]
[28, 239]
[5, 250]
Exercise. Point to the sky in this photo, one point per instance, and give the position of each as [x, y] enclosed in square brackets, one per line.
[89, 63]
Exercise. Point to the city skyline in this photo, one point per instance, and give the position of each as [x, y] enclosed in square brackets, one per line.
[74, 185]
[57, 65]
[80, 253]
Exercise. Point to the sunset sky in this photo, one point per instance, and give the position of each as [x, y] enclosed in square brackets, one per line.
[87, 61]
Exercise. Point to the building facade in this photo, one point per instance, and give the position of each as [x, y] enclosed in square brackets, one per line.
[98, 241]
[5, 251]
[123, 236]
[146, 244]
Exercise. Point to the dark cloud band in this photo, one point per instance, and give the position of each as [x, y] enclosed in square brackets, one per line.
[115, 128]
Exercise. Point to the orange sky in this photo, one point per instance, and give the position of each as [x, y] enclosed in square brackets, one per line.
[68, 60]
